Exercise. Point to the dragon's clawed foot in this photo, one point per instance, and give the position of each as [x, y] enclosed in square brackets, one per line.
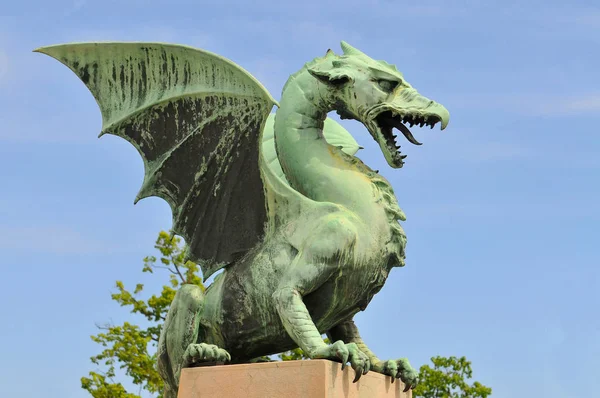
[344, 353]
[398, 369]
[198, 353]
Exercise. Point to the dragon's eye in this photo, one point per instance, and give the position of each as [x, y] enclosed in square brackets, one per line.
[387, 85]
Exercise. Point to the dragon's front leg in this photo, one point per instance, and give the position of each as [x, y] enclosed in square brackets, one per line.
[299, 325]
[309, 271]
[396, 368]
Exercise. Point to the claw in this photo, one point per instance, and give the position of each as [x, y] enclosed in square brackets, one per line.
[406, 388]
[393, 379]
[358, 372]
[343, 357]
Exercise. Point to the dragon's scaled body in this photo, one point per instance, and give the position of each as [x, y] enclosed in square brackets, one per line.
[306, 233]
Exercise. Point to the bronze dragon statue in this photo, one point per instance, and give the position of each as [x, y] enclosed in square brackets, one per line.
[304, 231]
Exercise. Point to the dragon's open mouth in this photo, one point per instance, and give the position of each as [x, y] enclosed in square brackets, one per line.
[385, 122]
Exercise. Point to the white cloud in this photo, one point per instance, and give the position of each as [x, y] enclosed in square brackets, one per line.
[533, 104]
[3, 65]
[558, 24]
[558, 105]
[578, 17]
[126, 33]
[51, 239]
[270, 72]
[491, 151]
[75, 6]
[138, 32]
[586, 104]
[378, 8]
[425, 11]
[52, 129]
[306, 32]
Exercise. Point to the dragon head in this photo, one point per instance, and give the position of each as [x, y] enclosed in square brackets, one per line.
[376, 94]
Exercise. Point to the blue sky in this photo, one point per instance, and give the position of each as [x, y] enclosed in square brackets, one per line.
[502, 207]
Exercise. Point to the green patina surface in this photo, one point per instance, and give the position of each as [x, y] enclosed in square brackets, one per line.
[304, 231]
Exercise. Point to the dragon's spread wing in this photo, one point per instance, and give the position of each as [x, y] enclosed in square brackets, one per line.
[196, 120]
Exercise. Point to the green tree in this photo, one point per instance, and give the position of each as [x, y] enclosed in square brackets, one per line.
[131, 348]
[448, 379]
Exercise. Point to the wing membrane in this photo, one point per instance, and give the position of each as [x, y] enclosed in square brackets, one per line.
[196, 119]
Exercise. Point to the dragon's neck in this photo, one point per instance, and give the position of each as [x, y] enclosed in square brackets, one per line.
[323, 172]
[318, 170]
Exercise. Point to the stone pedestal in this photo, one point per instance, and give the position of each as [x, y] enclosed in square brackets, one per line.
[290, 379]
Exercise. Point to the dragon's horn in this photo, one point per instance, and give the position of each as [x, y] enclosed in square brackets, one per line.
[349, 50]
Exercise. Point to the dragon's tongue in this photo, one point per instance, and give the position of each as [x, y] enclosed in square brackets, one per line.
[398, 124]
[407, 133]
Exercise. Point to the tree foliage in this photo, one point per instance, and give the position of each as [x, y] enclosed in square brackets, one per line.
[448, 379]
[131, 348]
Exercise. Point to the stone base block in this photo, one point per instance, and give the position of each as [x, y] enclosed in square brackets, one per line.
[290, 379]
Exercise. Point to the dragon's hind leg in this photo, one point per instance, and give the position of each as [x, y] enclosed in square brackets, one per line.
[178, 345]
